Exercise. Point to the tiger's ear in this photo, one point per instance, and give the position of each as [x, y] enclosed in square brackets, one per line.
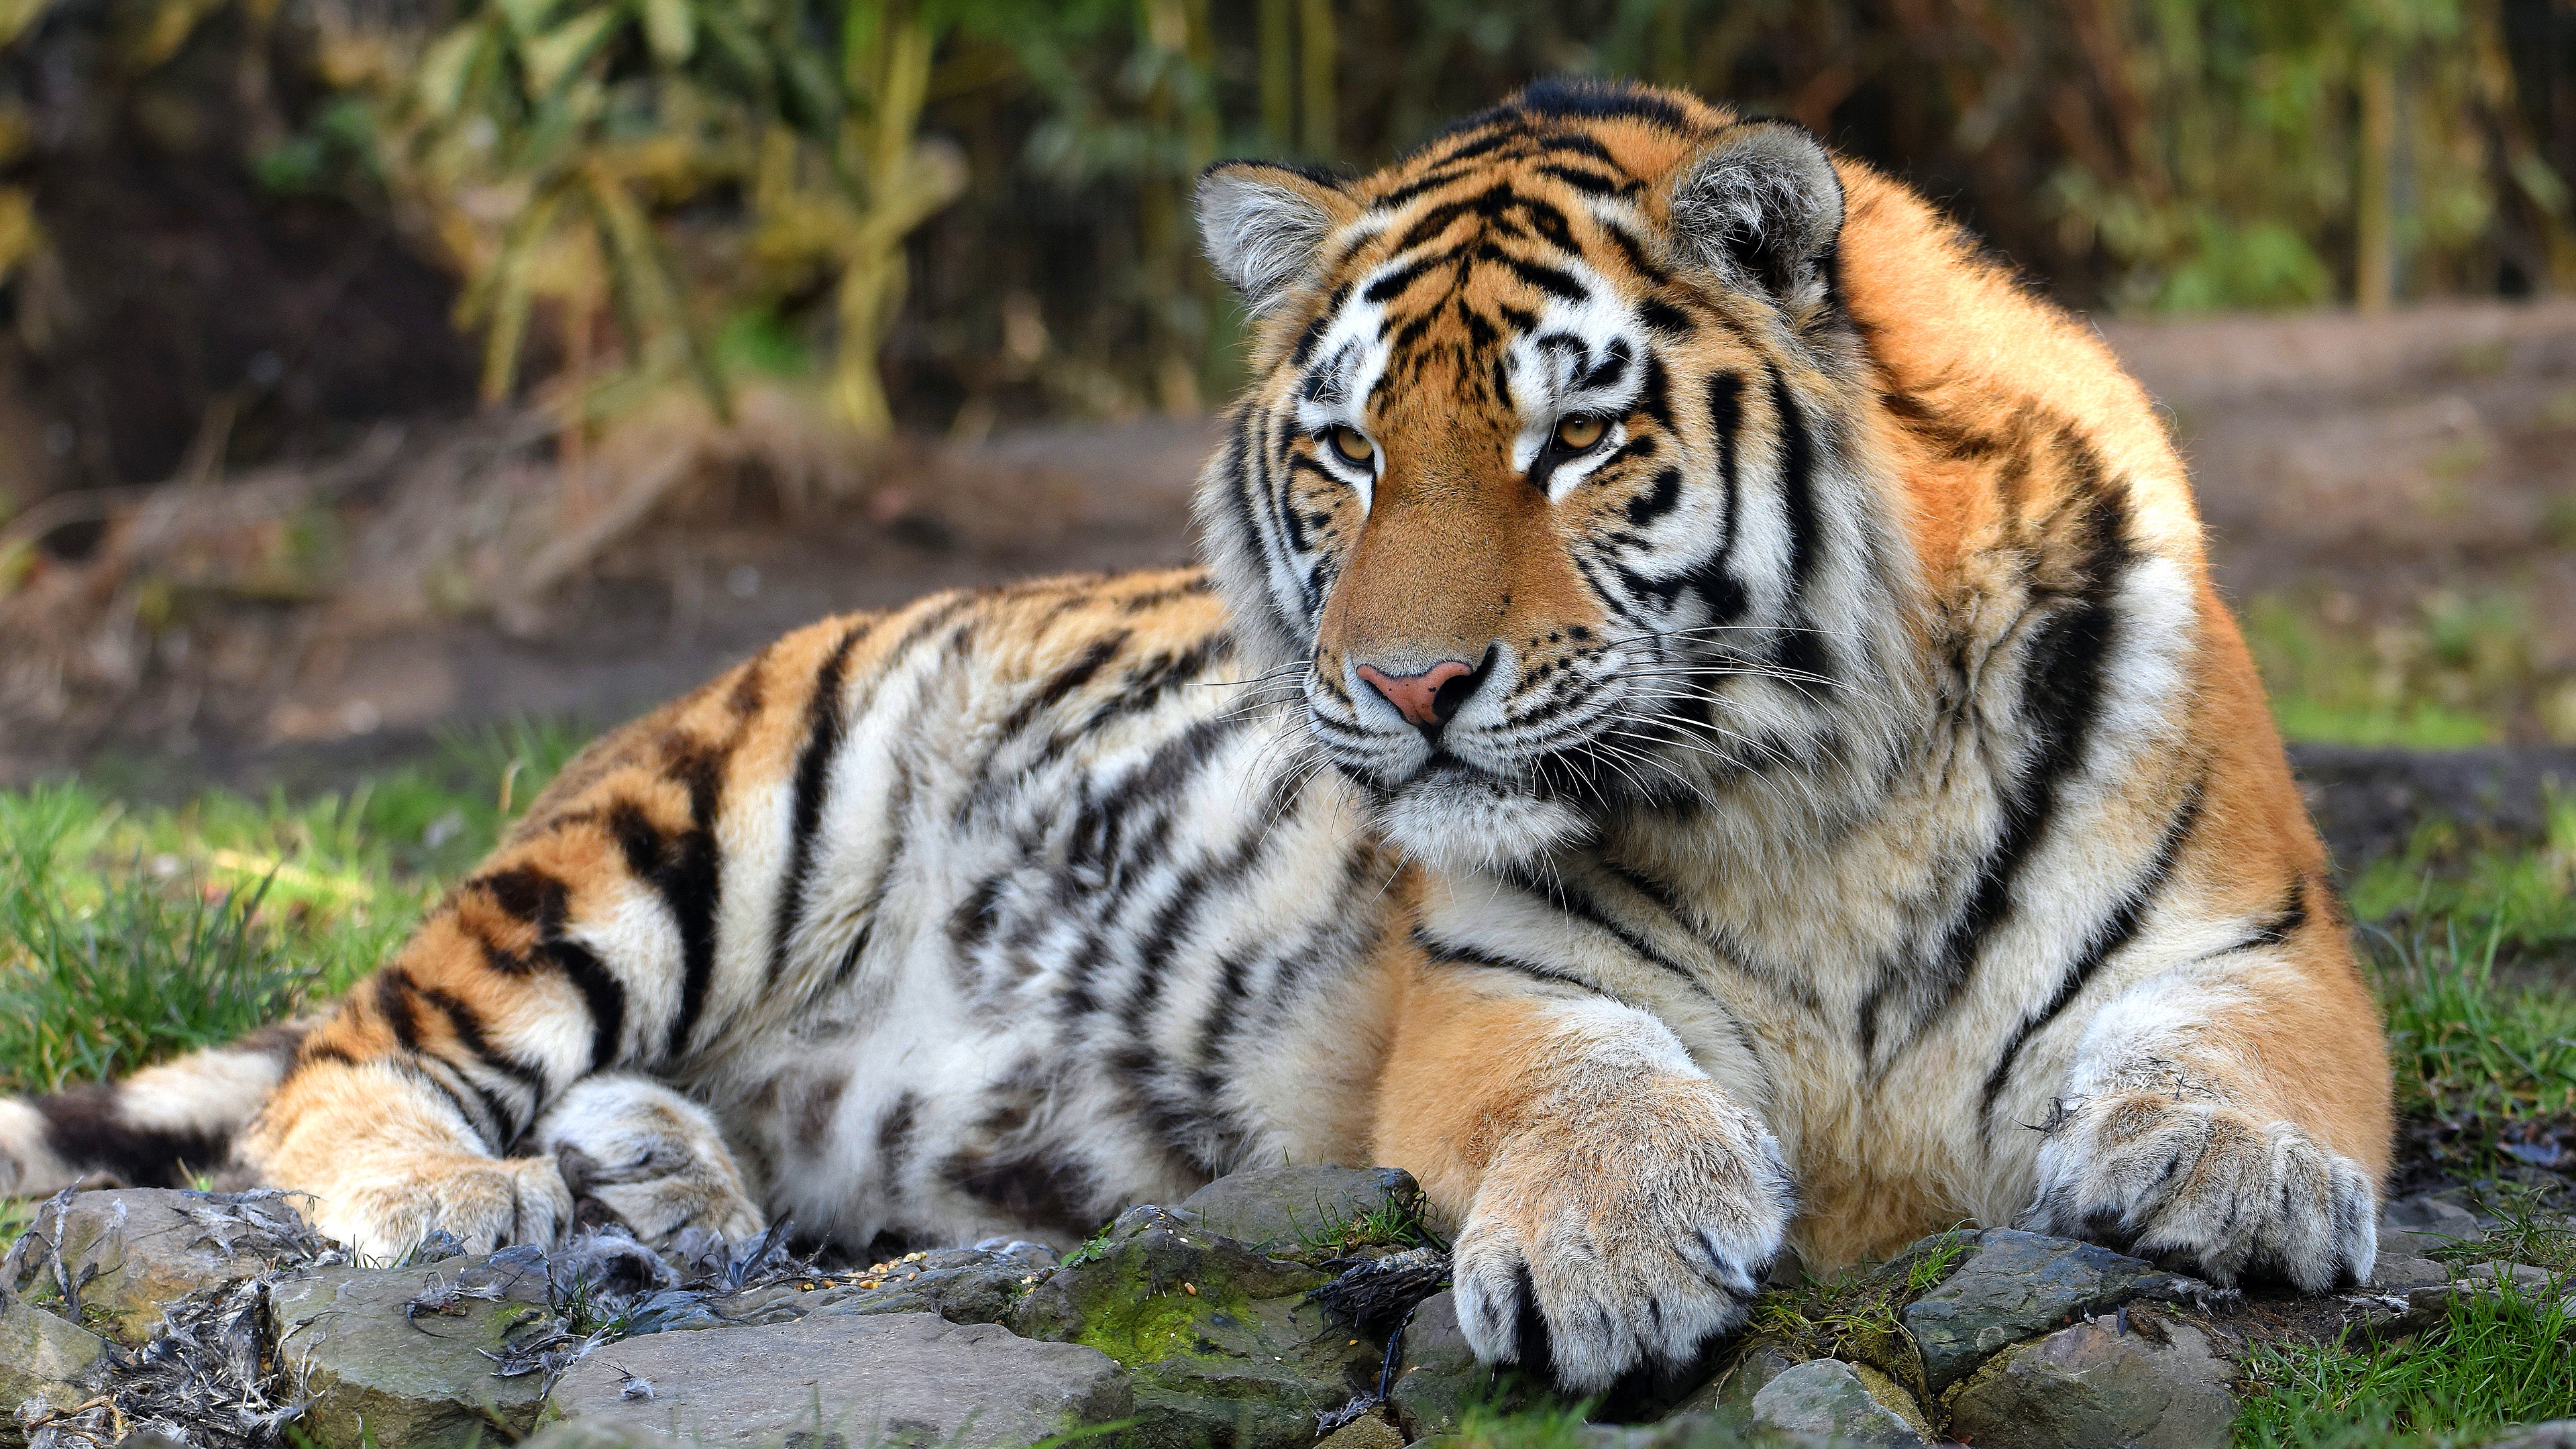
[1264, 225]
[1760, 206]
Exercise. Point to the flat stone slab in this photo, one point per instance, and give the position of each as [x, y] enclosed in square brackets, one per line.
[963, 1285]
[41, 1355]
[2013, 1286]
[385, 1372]
[843, 1382]
[2158, 1386]
[138, 1248]
[1846, 1403]
[1293, 1207]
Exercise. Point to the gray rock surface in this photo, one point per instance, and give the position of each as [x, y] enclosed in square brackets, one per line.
[2091, 1386]
[139, 1248]
[41, 1355]
[2402, 1274]
[1293, 1207]
[1849, 1403]
[2013, 1286]
[848, 1382]
[1222, 1342]
[386, 1373]
[963, 1285]
[2556, 1434]
[2414, 1226]
[1437, 1377]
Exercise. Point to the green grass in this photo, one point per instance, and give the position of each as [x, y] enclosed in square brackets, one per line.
[2498, 1359]
[129, 935]
[2454, 671]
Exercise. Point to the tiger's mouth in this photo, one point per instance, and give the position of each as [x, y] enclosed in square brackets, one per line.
[1453, 815]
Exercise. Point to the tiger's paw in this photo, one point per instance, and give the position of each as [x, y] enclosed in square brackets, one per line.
[1621, 1236]
[2205, 1188]
[648, 1157]
[402, 1199]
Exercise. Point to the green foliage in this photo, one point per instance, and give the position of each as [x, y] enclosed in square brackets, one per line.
[2469, 1051]
[2507, 1357]
[129, 935]
[1546, 1425]
[2454, 672]
[2524, 897]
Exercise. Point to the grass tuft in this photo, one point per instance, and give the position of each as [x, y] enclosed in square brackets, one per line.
[2500, 1358]
[128, 936]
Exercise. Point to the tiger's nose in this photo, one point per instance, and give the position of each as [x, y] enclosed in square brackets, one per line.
[1428, 698]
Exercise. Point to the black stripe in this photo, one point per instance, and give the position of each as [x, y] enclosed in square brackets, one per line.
[824, 727]
[2108, 939]
[601, 992]
[393, 1002]
[85, 1127]
[1797, 485]
[1551, 280]
[1719, 591]
[1475, 956]
[2061, 696]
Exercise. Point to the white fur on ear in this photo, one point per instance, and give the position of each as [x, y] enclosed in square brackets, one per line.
[1761, 206]
[1262, 226]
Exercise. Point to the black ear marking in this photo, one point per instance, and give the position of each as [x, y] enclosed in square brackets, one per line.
[1263, 225]
[1761, 207]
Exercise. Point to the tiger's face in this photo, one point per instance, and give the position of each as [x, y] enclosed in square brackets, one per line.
[1532, 500]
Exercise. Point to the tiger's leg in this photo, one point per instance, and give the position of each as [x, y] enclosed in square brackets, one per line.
[625, 927]
[2228, 1119]
[1618, 1207]
[651, 1157]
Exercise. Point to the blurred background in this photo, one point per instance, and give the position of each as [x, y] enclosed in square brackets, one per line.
[368, 366]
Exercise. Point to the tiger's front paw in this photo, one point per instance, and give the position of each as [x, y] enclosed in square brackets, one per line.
[1625, 1234]
[487, 1203]
[2208, 1189]
[651, 1158]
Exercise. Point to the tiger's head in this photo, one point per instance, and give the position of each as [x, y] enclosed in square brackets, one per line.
[1549, 494]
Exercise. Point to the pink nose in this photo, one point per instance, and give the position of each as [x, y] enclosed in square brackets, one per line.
[1418, 697]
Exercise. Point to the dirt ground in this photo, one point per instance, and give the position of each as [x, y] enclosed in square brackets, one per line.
[2356, 463]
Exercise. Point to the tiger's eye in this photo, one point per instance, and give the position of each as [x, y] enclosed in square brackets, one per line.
[1352, 447]
[1579, 432]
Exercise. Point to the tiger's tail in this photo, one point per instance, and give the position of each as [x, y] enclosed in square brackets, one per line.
[165, 1126]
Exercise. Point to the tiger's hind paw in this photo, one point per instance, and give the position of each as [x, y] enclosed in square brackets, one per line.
[1623, 1238]
[650, 1158]
[2206, 1188]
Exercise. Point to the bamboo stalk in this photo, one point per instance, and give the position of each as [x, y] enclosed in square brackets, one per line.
[1278, 73]
[2374, 265]
[1320, 58]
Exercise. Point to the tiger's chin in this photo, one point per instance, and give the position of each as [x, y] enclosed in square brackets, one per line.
[1450, 819]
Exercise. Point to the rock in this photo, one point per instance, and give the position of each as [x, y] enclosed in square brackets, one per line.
[1731, 1393]
[2012, 1286]
[149, 1246]
[1368, 1431]
[380, 1375]
[906, 1379]
[1289, 1208]
[1849, 1403]
[1702, 1431]
[1438, 1378]
[2414, 1226]
[2401, 1275]
[2157, 1387]
[41, 1355]
[1222, 1342]
[963, 1285]
[2556, 1434]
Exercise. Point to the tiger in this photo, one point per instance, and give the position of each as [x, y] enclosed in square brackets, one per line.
[1703, 732]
